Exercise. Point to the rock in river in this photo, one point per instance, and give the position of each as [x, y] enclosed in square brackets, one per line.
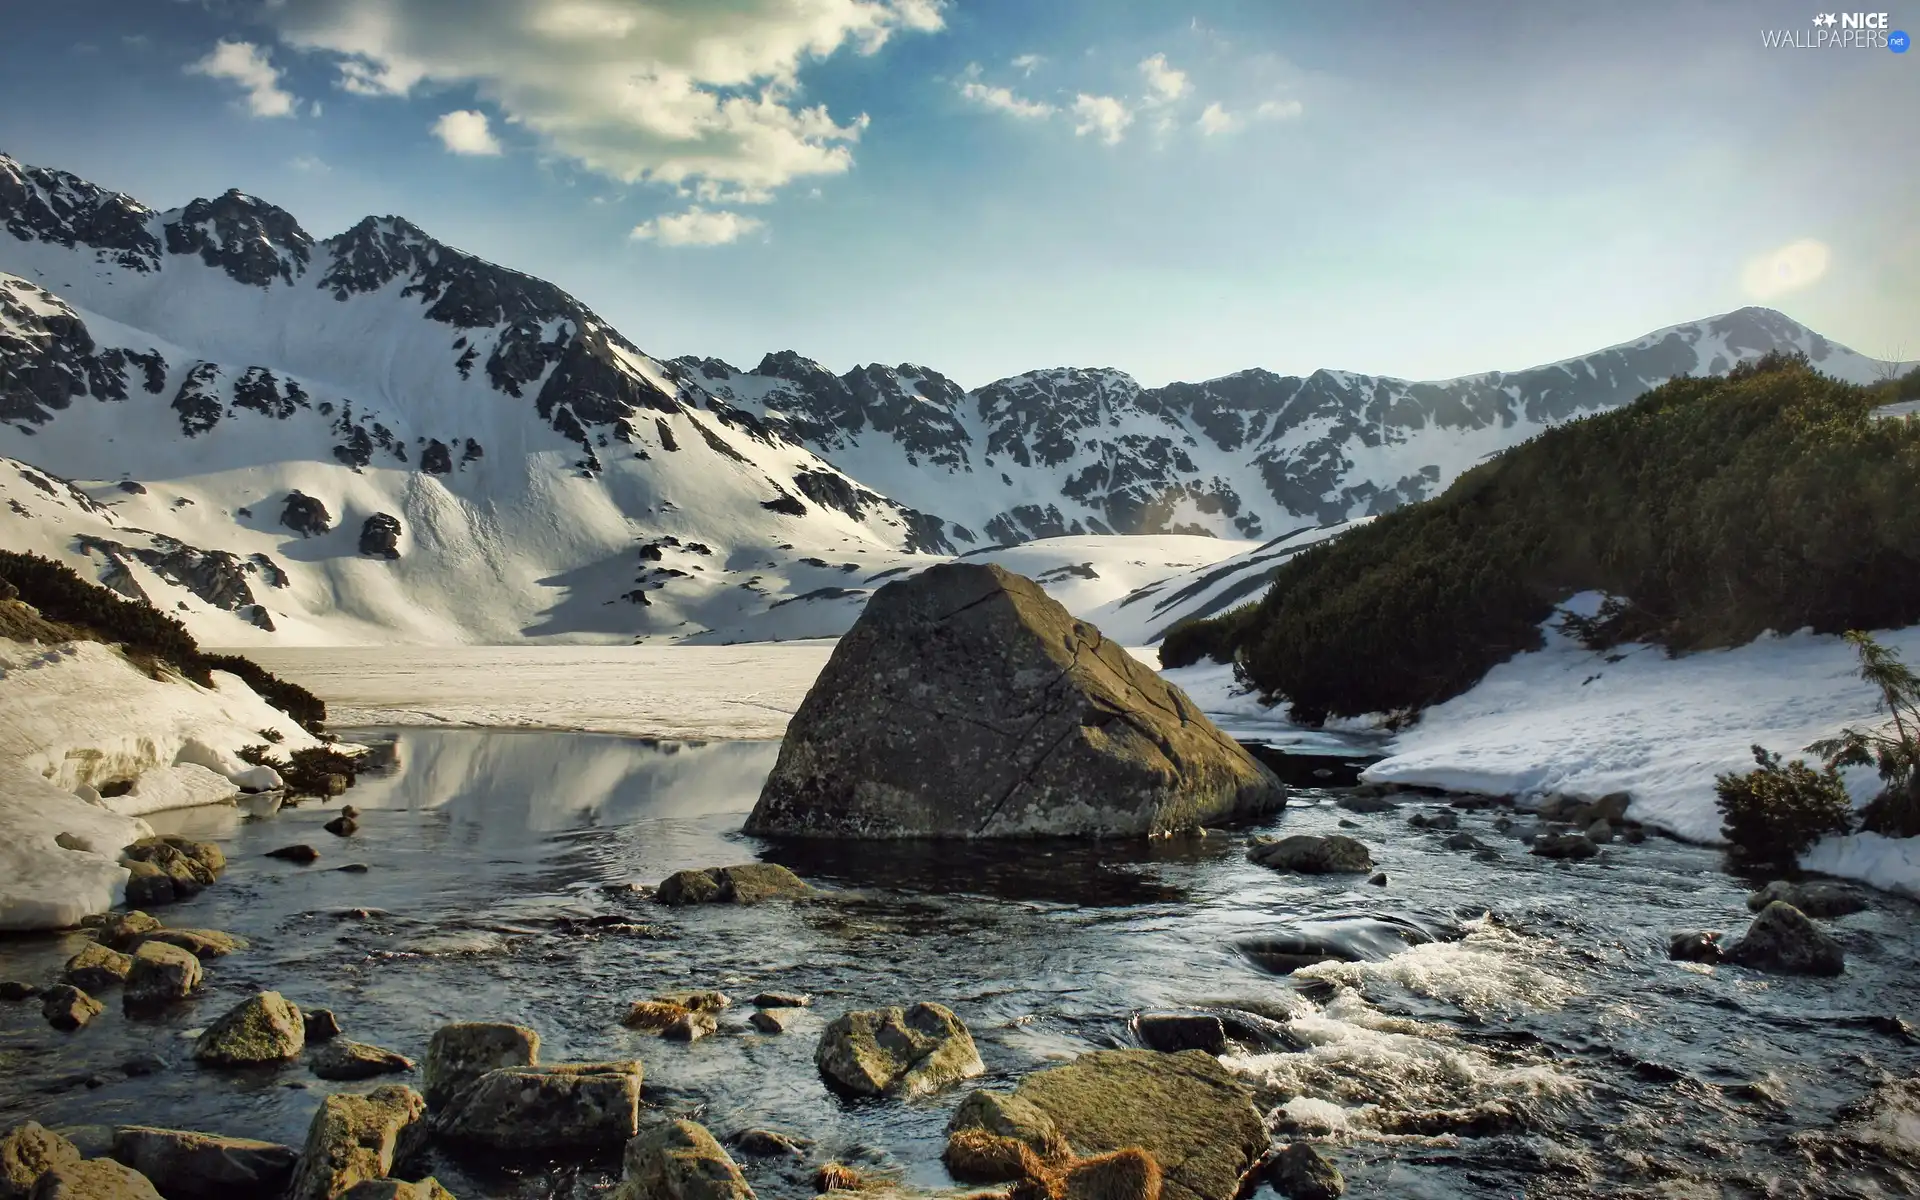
[679, 1160]
[395, 1189]
[67, 1008]
[162, 974]
[94, 1179]
[354, 1139]
[96, 968]
[1312, 854]
[200, 1166]
[966, 702]
[578, 1105]
[1301, 1172]
[897, 1052]
[341, 1059]
[1785, 941]
[1814, 897]
[747, 883]
[28, 1151]
[264, 1028]
[1186, 1110]
[462, 1053]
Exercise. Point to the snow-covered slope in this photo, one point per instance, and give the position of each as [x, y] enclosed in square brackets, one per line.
[379, 438]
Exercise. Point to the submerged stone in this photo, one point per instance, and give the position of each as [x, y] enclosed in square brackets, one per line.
[1785, 941]
[966, 702]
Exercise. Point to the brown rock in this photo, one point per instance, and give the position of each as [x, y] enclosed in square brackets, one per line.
[201, 1166]
[264, 1028]
[125, 931]
[340, 1059]
[966, 702]
[96, 968]
[679, 1160]
[28, 1151]
[897, 1052]
[567, 1105]
[460, 1054]
[162, 974]
[745, 883]
[354, 1139]
[94, 1179]
[67, 1008]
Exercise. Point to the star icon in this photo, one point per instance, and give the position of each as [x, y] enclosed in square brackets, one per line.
[1825, 19]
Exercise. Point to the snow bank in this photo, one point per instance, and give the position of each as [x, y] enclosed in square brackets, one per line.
[58, 854]
[79, 713]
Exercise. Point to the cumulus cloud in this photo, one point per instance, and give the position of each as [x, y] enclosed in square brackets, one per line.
[1026, 63]
[696, 227]
[1103, 117]
[1786, 269]
[684, 92]
[1215, 120]
[999, 99]
[246, 64]
[1279, 110]
[1164, 83]
[466, 132]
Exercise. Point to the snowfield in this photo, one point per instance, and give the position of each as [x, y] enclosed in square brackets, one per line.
[1563, 719]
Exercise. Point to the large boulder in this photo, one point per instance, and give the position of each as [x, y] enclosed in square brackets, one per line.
[567, 1105]
[306, 515]
[1785, 941]
[67, 1008]
[263, 1028]
[1005, 1115]
[201, 1166]
[897, 1052]
[354, 1139]
[97, 968]
[28, 1151]
[679, 1160]
[463, 1052]
[966, 702]
[1185, 1110]
[1313, 854]
[94, 1179]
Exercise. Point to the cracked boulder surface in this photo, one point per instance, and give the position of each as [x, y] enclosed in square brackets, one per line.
[967, 703]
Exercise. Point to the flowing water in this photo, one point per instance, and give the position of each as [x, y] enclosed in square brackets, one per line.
[1505, 1028]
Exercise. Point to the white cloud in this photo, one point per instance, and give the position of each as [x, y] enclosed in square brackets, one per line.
[681, 92]
[999, 99]
[1786, 269]
[696, 227]
[1027, 63]
[466, 132]
[1101, 116]
[308, 164]
[1164, 83]
[1279, 110]
[248, 65]
[1215, 120]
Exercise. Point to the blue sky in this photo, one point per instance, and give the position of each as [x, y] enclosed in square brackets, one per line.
[989, 186]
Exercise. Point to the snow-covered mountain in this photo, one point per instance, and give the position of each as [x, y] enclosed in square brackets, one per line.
[377, 437]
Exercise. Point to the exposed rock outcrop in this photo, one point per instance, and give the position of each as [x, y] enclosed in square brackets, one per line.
[380, 536]
[747, 883]
[461, 1053]
[1785, 941]
[966, 702]
[202, 1166]
[306, 515]
[1313, 854]
[579, 1105]
[680, 1160]
[264, 1028]
[354, 1139]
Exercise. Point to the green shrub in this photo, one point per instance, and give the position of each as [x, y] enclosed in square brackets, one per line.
[61, 595]
[1893, 749]
[305, 771]
[1716, 509]
[1190, 641]
[1775, 813]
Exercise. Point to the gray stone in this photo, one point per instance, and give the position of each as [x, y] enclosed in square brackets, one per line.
[1600, 832]
[148, 886]
[746, 883]
[264, 1028]
[773, 1020]
[1359, 803]
[1439, 819]
[1612, 807]
[125, 931]
[67, 1008]
[782, 1000]
[1814, 897]
[97, 968]
[162, 974]
[1784, 941]
[1312, 854]
[13, 990]
[1462, 841]
[691, 1026]
[460, 1054]
[897, 1052]
[1300, 1172]
[320, 1024]
[94, 1179]
[707, 1000]
[768, 1143]
[355, 1138]
[202, 1166]
[1186, 1110]
[301, 854]
[679, 1160]
[1173, 1032]
[341, 1059]
[965, 702]
[1564, 845]
[28, 1151]
[547, 1108]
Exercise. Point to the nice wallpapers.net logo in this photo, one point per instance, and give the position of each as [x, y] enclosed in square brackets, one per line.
[1840, 31]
